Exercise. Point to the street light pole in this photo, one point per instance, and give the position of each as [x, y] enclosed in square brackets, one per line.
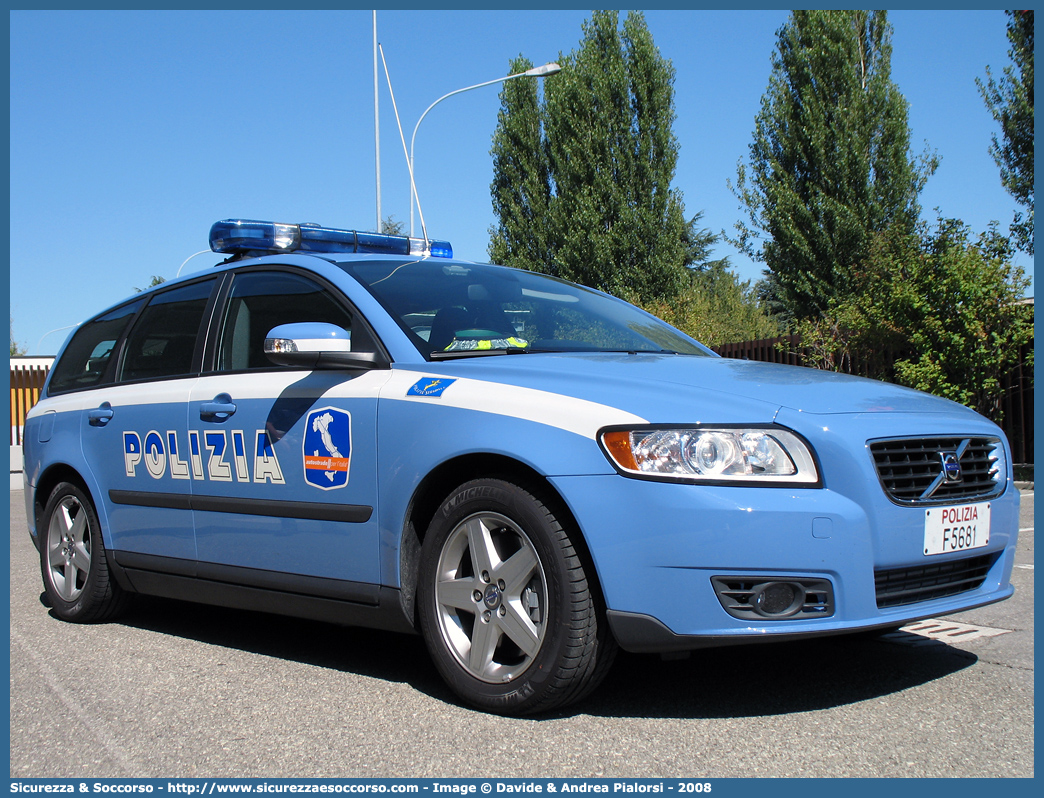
[376, 126]
[535, 72]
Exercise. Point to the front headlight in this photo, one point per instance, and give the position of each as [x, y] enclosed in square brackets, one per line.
[712, 454]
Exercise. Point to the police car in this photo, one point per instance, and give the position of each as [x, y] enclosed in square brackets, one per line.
[361, 429]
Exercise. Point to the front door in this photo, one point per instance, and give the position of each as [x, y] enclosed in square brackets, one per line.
[285, 487]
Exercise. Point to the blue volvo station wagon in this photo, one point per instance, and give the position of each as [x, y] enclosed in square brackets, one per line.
[361, 429]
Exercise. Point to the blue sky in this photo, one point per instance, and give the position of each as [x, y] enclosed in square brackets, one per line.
[132, 132]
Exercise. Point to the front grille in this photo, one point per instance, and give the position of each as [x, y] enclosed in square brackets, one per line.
[911, 470]
[910, 585]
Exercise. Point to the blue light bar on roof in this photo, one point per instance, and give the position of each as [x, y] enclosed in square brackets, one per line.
[241, 236]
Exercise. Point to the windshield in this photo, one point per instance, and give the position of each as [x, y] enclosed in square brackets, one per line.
[456, 310]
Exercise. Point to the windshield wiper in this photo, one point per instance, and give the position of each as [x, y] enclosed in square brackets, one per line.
[518, 350]
[455, 353]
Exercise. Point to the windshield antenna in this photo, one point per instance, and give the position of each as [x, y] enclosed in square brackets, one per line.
[402, 137]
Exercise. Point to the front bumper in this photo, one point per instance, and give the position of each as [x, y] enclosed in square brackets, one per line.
[658, 548]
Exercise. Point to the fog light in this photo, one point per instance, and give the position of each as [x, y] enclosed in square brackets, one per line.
[775, 599]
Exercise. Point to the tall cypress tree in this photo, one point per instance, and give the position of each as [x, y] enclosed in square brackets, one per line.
[1010, 101]
[521, 187]
[587, 197]
[829, 163]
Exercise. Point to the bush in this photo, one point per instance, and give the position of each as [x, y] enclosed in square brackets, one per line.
[715, 307]
[934, 311]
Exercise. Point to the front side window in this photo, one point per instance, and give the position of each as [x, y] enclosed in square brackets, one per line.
[85, 361]
[163, 341]
[260, 301]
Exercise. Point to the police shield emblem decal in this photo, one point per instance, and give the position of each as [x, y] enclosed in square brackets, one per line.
[327, 448]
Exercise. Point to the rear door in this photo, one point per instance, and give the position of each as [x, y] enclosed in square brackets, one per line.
[134, 435]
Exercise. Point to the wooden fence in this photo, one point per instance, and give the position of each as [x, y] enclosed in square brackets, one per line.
[1016, 403]
[27, 379]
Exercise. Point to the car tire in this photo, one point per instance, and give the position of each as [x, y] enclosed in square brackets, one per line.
[75, 571]
[505, 605]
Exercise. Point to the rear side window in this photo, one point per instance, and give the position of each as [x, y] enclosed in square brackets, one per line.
[86, 359]
[163, 340]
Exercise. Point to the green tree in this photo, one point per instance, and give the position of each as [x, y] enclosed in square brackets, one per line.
[715, 307]
[392, 227]
[1010, 101]
[945, 304]
[156, 280]
[17, 350]
[697, 243]
[582, 181]
[830, 162]
[521, 188]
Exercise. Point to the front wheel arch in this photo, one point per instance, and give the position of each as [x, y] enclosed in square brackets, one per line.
[440, 483]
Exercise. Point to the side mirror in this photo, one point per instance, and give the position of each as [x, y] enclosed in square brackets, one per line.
[318, 345]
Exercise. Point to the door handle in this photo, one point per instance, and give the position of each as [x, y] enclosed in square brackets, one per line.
[100, 416]
[219, 409]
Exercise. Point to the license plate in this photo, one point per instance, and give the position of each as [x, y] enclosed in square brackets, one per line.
[956, 528]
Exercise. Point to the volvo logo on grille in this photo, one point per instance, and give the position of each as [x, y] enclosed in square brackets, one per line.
[951, 467]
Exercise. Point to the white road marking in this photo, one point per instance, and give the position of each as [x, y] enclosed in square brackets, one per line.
[934, 630]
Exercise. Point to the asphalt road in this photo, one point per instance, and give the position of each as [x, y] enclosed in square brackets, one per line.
[177, 690]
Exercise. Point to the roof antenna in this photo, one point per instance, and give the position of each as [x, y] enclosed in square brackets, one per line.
[409, 166]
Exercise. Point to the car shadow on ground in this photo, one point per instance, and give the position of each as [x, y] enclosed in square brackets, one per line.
[770, 678]
[350, 649]
[732, 682]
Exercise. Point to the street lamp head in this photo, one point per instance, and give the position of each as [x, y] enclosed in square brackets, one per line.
[536, 72]
[543, 71]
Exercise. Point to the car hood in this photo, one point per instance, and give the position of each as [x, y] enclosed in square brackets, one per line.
[668, 388]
